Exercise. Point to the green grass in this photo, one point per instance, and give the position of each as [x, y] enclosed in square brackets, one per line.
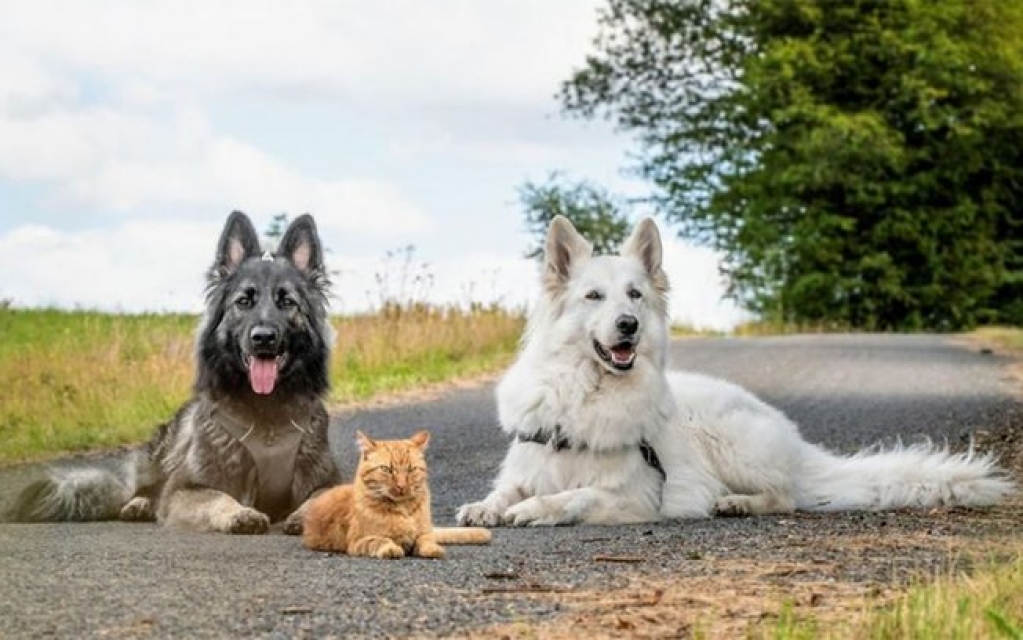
[75, 381]
[985, 605]
[406, 347]
[1009, 337]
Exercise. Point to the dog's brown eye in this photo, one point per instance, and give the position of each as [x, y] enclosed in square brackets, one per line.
[594, 295]
[244, 303]
[287, 303]
[635, 294]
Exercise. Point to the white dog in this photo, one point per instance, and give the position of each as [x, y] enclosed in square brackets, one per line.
[604, 435]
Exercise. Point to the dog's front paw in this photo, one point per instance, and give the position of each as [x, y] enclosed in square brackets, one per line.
[733, 506]
[478, 514]
[534, 512]
[138, 509]
[245, 521]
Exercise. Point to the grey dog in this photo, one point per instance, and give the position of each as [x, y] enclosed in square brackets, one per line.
[250, 447]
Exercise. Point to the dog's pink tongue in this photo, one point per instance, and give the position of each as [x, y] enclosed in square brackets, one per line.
[621, 355]
[263, 375]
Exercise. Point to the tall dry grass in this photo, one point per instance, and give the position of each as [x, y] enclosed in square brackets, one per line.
[403, 346]
[81, 380]
[72, 381]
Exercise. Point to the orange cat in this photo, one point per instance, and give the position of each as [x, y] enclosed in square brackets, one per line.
[386, 512]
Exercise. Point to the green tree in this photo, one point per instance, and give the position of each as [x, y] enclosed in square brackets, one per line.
[600, 216]
[857, 162]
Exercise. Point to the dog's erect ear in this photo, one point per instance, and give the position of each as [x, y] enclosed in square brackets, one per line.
[564, 249]
[421, 439]
[238, 242]
[301, 245]
[645, 245]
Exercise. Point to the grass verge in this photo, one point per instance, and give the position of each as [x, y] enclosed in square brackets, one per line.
[74, 381]
[986, 604]
[1007, 337]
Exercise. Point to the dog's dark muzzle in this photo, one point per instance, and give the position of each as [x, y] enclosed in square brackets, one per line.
[265, 341]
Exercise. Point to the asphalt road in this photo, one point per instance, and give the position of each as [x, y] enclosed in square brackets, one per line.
[138, 580]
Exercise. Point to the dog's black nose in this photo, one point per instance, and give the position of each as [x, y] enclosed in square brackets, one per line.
[627, 324]
[264, 337]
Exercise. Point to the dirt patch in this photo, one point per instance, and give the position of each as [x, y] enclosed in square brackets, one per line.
[728, 604]
[834, 578]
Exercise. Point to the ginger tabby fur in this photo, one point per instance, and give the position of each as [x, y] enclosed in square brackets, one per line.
[386, 512]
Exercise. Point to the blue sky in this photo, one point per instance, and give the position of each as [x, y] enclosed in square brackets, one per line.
[131, 129]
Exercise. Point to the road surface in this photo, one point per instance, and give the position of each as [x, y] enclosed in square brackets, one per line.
[846, 391]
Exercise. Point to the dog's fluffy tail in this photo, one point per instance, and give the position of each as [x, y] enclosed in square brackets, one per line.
[462, 535]
[78, 493]
[921, 475]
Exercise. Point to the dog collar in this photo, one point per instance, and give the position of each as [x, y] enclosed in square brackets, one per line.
[542, 437]
[560, 442]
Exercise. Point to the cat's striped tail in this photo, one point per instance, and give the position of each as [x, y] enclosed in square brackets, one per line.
[462, 535]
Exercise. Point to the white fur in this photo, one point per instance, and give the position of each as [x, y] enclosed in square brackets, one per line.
[724, 450]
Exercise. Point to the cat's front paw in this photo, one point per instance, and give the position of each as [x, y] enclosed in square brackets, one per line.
[478, 514]
[388, 551]
[535, 512]
[293, 523]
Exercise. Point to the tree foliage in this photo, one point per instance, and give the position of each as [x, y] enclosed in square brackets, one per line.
[597, 214]
[857, 162]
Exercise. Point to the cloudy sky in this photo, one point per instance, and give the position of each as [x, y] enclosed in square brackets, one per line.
[130, 129]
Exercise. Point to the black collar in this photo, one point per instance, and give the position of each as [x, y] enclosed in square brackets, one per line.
[561, 442]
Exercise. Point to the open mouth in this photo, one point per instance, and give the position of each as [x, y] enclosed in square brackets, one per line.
[263, 373]
[620, 356]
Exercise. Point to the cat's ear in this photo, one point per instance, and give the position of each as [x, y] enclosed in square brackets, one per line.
[421, 439]
[366, 444]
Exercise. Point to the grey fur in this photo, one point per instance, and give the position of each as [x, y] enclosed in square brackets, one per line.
[225, 460]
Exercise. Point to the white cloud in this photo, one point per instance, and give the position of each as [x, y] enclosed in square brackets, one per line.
[697, 287]
[481, 71]
[113, 108]
[123, 162]
[139, 266]
[108, 101]
[447, 51]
